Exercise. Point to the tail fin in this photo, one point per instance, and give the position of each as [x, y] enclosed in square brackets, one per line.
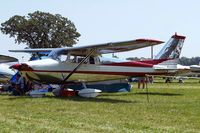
[172, 48]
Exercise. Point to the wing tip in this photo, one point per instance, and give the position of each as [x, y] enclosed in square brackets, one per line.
[150, 40]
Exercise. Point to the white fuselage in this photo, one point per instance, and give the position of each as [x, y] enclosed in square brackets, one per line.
[50, 70]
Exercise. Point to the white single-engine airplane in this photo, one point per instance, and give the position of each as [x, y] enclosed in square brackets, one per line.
[195, 68]
[83, 64]
[5, 71]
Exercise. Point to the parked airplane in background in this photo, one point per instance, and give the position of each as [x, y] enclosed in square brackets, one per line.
[195, 68]
[5, 72]
[194, 71]
[82, 64]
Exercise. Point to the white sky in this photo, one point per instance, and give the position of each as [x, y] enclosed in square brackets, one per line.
[115, 20]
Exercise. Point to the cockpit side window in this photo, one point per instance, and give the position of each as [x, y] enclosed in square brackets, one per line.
[62, 55]
[63, 58]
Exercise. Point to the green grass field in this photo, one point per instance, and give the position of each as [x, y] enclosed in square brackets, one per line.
[171, 108]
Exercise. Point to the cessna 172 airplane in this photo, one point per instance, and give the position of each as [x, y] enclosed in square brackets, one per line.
[83, 64]
[5, 71]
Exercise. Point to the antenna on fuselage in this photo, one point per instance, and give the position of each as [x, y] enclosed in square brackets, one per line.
[152, 52]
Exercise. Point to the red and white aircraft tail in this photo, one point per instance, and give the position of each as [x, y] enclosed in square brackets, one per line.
[172, 48]
[170, 53]
[167, 58]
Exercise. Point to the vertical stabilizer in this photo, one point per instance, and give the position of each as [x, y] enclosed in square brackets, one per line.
[172, 48]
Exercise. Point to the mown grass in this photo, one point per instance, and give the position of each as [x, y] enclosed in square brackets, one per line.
[171, 108]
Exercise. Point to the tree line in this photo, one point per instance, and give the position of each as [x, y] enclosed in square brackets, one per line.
[183, 60]
[189, 61]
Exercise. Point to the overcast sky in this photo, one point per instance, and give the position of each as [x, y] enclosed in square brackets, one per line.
[115, 20]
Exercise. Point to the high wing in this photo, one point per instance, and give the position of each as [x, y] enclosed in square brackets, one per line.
[105, 48]
[4, 59]
[35, 50]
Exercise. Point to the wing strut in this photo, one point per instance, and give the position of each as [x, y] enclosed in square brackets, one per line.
[68, 76]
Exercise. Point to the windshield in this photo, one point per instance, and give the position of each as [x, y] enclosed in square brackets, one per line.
[55, 54]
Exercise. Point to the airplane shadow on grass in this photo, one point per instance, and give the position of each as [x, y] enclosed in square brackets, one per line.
[102, 97]
[158, 93]
[76, 98]
[98, 99]
[142, 93]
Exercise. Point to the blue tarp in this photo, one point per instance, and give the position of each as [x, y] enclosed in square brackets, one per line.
[13, 78]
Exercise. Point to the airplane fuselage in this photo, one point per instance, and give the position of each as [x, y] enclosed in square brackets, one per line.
[54, 71]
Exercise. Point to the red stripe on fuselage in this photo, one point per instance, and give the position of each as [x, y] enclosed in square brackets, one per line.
[154, 62]
[144, 63]
[130, 64]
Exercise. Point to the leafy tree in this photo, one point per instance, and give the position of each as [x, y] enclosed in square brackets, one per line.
[41, 30]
